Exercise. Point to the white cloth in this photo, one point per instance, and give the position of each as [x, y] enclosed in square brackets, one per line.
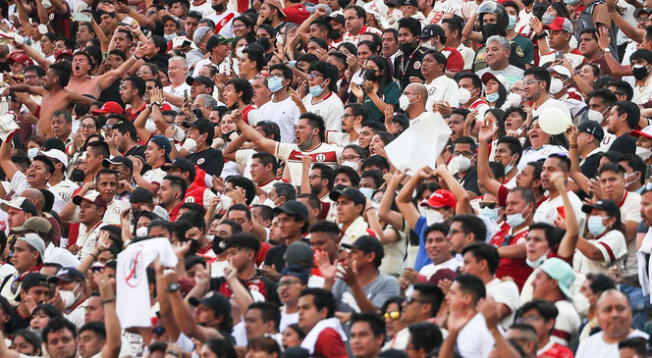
[644, 259]
[132, 302]
[284, 113]
[475, 340]
[505, 292]
[613, 247]
[596, 347]
[311, 338]
[330, 109]
[442, 89]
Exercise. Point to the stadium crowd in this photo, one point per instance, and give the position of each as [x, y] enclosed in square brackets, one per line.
[233, 178]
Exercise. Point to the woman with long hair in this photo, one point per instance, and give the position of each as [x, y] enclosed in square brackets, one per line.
[377, 90]
[494, 92]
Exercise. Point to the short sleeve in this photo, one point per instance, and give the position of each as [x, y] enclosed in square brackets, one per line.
[507, 295]
[283, 150]
[612, 246]
[19, 183]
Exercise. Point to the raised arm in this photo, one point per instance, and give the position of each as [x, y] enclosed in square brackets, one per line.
[485, 177]
[5, 352]
[264, 144]
[569, 241]
[467, 31]
[5, 158]
[385, 211]
[404, 198]
[111, 348]
[604, 41]
[105, 80]
[463, 205]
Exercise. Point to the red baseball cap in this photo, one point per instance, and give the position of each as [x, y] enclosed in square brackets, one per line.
[62, 52]
[441, 198]
[110, 107]
[560, 24]
[166, 107]
[645, 132]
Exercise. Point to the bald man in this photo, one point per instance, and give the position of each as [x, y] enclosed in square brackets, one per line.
[415, 95]
[615, 319]
[38, 199]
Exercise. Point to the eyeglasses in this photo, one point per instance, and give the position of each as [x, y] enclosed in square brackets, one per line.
[276, 75]
[287, 283]
[465, 153]
[313, 176]
[529, 318]
[350, 158]
[393, 315]
[489, 205]
[314, 75]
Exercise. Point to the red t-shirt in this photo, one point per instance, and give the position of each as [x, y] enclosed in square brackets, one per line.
[517, 269]
[330, 345]
[555, 350]
[455, 61]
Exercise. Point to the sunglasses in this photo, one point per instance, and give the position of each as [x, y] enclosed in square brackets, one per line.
[487, 204]
[393, 315]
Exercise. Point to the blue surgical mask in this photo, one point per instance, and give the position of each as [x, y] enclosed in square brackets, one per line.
[595, 225]
[515, 220]
[316, 91]
[489, 213]
[508, 168]
[492, 97]
[274, 84]
[536, 263]
[512, 22]
[572, 2]
[547, 18]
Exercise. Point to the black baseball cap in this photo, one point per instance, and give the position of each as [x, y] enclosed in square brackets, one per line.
[34, 279]
[200, 79]
[367, 244]
[215, 302]
[429, 31]
[296, 271]
[141, 195]
[293, 208]
[407, 2]
[118, 160]
[215, 41]
[185, 165]
[593, 128]
[68, 274]
[204, 126]
[607, 205]
[349, 193]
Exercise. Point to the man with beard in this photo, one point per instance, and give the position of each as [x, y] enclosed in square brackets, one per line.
[170, 195]
[310, 142]
[55, 96]
[222, 18]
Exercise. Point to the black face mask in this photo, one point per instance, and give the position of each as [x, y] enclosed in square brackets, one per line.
[219, 7]
[489, 30]
[640, 72]
[370, 75]
[408, 48]
[77, 175]
[219, 246]
[335, 34]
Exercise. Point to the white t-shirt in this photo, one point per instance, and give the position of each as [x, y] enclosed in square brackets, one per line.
[287, 319]
[113, 211]
[284, 113]
[291, 154]
[505, 292]
[441, 89]
[613, 247]
[453, 264]
[547, 211]
[154, 176]
[475, 340]
[644, 93]
[630, 210]
[596, 347]
[533, 155]
[177, 91]
[227, 26]
[64, 190]
[331, 109]
[568, 321]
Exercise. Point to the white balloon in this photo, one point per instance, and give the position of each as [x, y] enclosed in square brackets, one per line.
[554, 120]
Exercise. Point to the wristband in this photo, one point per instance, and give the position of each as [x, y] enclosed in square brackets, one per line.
[108, 301]
[137, 58]
[539, 37]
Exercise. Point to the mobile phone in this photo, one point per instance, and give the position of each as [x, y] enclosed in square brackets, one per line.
[559, 55]
[561, 211]
[186, 43]
[185, 94]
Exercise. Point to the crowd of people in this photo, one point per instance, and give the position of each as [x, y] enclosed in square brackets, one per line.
[216, 179]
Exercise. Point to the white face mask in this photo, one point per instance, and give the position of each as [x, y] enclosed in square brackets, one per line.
[513, 100]
[68, 297]
[170, 37]
[428, 45]
[459, 164]
[595, 116]
[367, 192]
[463, 95]
[240, 52]
[404, 102]
[556, 85]
[644, 153]
[536, 263]
[150, 125]
[179, 134]
[354, 165]
[31, 153]
[433, 216]
[190, 145]
[141, 231]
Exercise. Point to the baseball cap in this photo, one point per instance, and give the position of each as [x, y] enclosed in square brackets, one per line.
[441, 198]
[296, 271]
[204, 126]
[215, 41]
[68, 274]
[560, 24]
[407, 2]
[367, 244]
[428, 31]
[215, 302]
[560, 70]
[19, 203]
[200, 79]
[645, 132]
[162, 142]
[442, 274]
[171, 17]
[490, 76]
[109, 107]
[560, 271]
[61, 53]
[277, 4]
[350, 193]
[118, 160]
[34, 279]
[297, 352]
[34, 241]
[200, 33]
[93, 196]
[185, 165]
[293, 208]
[592, 128]
[298, 254]
[55, 154]
[36, 224]
[607, 205]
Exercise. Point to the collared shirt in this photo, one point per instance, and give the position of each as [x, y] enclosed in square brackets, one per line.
[358, 227]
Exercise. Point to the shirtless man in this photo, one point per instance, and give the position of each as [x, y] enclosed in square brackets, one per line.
[81, 80]
[55, 96]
